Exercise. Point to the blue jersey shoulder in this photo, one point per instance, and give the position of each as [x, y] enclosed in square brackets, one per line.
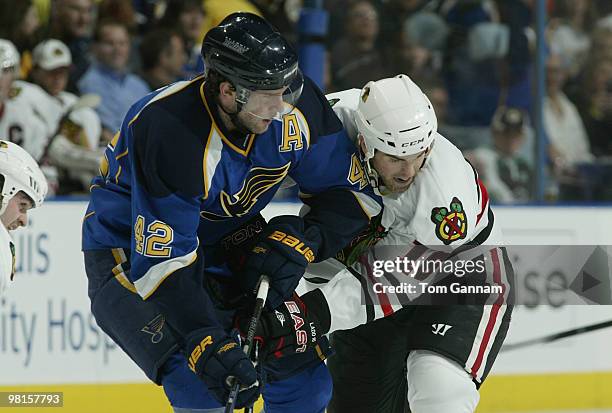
[168, 140]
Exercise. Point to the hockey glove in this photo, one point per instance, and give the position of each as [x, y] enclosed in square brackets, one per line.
[282, 252]
[214, 357]
[294, 327]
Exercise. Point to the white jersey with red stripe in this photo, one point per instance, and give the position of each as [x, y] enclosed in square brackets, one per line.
[446, 207]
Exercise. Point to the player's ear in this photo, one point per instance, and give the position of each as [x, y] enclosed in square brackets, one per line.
[227, 96]
[226, 89]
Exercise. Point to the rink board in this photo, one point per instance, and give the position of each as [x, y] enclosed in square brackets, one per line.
[49, 340]
[500, 394]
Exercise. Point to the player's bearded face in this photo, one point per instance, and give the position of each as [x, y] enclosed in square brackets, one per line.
[16, 213]
[261, 108]
[397, 173]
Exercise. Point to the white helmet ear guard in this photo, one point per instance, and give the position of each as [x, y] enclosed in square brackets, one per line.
[21, 173]
[9, 56]
[365, 157]
[395, 117]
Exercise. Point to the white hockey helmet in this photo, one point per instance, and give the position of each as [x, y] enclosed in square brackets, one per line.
[21, 173]
[395, 117]
[9, 56]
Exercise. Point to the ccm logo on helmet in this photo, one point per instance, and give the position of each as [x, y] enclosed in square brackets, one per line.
[413, 143]
[294, 243]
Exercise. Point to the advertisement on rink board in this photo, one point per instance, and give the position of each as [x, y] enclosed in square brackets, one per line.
[46, 323]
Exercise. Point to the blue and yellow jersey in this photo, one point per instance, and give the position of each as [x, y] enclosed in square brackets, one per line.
[173, 182]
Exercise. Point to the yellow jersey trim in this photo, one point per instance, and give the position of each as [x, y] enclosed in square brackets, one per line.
[210, 134]
[162, 279]
[158, 97]
[307, 126]
[251, 138]
[121, 155]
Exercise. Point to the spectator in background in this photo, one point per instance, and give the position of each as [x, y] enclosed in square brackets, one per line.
[216, 10]
[18, 122]
[355, 58]
[186, 17]
[475, 46]
[75, 148]
[282, 14]
[568, 141]
[600, 48]
[601, 43]
[163, 56]
[52, 61]
[568, 30]
[433, 87]
[517, 17]
[123, 12]
[413, 51]
[110, 78]
[19, 23]
[394, 14]
[72, 22]
[506, 175]
[594, 102]
[604, 13]
[118, 10]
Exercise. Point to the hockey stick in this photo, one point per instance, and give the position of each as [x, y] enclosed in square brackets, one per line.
[262, 293]
[88, 100]
[557, 336]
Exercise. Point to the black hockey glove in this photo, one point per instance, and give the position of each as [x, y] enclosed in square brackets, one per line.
[294, 327]
[214, 357]
[281, 252]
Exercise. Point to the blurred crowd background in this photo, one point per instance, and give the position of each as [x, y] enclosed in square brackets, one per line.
[475, 60]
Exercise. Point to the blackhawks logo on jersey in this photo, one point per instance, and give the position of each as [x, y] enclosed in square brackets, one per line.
[451, 223]
[362, 242]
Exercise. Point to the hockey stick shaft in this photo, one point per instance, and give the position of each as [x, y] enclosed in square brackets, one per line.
[557, 336]
[262, 294]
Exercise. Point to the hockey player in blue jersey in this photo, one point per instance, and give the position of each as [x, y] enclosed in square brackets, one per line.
[173, 240]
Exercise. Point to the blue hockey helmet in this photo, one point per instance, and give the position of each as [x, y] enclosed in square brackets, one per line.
[251, 54]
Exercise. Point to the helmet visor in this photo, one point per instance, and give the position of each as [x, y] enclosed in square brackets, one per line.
[273, 104]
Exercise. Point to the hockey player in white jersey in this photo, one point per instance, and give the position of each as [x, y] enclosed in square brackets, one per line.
[75, 145]
[23, 186]
[18, 123]
[433, 356]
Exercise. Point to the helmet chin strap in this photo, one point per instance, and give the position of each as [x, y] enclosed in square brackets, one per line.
[4, 200]
[375, 183]
[372, 174]
[373, 177]
[240, 127]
